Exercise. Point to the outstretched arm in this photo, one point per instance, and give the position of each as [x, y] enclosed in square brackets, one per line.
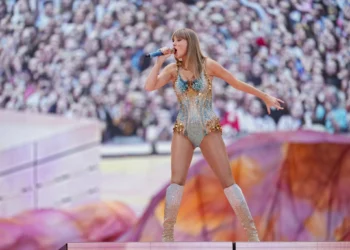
[215, 69]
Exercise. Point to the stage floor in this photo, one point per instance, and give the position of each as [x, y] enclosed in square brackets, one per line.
[145, 174]
[210, 246]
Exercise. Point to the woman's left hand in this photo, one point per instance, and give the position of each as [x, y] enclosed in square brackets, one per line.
[274, 102]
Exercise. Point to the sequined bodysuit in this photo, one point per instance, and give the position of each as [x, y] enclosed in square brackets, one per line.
[196, 117]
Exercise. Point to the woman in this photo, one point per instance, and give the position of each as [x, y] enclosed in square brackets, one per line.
[197, 125]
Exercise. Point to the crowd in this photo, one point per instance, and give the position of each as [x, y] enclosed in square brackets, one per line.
[84, 58]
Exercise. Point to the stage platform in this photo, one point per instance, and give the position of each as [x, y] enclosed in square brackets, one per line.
[210, 246]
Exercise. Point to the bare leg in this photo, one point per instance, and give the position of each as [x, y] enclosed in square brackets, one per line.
[214, 151]
[181, 157]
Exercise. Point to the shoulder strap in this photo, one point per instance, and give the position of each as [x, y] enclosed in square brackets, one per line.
[205, 71]
[178, 64]
[177, 71]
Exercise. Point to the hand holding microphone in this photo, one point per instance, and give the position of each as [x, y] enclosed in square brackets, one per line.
[161, 54]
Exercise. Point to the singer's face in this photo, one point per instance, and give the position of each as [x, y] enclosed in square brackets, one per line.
[180, 46]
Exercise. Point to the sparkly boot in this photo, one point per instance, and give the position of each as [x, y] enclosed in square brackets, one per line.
[238, 203]
[172, 204]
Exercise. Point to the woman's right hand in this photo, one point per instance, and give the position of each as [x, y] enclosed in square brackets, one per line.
[167, 52]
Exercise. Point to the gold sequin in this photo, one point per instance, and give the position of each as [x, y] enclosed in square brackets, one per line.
[178, 127]
[214, 126]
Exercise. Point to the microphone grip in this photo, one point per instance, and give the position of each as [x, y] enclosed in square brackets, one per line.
[158, 53]
[155, 54]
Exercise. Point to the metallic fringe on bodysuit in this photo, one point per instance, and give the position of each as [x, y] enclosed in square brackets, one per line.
[172, 204]
[238, 203]
[178, 127]
[213, 125]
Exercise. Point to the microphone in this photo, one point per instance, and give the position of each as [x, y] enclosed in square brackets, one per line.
[158, 53]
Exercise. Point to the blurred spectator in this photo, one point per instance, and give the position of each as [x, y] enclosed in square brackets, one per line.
[294, 120]
[80, 58]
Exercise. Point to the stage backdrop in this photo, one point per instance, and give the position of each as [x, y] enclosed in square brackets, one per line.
[296, 185]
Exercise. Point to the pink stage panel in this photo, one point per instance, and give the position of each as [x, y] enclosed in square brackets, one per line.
[151, 245]
[210, 246]
[293, 245]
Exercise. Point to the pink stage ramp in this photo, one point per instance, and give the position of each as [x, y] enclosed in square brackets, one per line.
[210, 246]
[42, 155]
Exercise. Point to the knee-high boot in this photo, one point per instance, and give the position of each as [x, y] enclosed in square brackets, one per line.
[238, 203]
[172, 204]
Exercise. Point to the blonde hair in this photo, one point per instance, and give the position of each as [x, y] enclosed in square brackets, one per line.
[195, 57]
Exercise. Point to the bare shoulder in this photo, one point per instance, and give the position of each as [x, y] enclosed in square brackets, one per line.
[211, 66]
[171, 69]
[169, 72]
